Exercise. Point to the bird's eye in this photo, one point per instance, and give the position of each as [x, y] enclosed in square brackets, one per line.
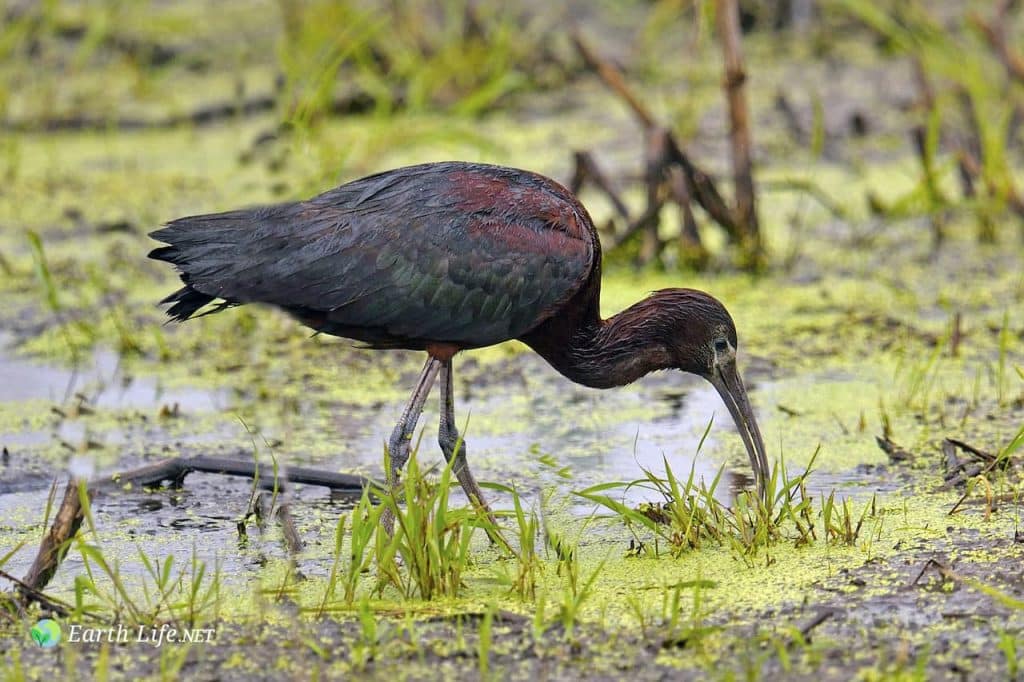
[721, 345]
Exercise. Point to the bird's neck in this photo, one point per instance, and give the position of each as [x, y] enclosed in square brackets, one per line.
[605, 353]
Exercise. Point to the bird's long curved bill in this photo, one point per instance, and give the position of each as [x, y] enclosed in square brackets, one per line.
[727, 380]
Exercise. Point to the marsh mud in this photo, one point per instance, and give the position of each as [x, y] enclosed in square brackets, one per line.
[915, 613]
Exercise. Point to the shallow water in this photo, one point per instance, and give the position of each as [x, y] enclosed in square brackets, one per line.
[547, 436]
[101, 379]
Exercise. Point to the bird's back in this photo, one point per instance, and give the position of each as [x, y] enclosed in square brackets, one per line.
[456, 253]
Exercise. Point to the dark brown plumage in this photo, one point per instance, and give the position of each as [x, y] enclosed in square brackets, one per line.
[446, 257]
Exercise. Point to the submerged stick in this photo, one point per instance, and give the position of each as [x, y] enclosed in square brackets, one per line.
[175, 470]
[819, 618]
[292, 540]
[29, 594]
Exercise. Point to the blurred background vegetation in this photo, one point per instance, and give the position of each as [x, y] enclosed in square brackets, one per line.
[943, 80]
[869, 124]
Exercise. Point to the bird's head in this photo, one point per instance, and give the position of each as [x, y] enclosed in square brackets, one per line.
[701, 338]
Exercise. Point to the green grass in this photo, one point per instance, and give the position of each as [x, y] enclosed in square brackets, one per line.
[522, 581]
[429, 552]
[51, 296]
[690, 515]
[1001, 365]
[577, 586]
[969, 103]
[484, 643]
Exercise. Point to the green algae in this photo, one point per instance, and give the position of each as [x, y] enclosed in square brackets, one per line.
[629, 593]
[849, 339]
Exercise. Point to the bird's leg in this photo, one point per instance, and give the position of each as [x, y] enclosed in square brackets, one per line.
[453, 447]
[401, 437]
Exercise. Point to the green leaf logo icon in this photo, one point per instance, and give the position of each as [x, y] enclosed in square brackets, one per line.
[46, 633]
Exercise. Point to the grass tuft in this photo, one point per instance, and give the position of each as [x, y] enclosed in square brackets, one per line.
[690, 514]
[429, 552]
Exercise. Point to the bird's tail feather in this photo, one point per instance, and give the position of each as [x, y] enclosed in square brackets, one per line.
[186, 302]
[199, 244]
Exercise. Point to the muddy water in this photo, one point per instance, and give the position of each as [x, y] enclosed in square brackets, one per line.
[543, 435]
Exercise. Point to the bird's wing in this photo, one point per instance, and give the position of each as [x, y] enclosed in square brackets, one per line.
[458, 256]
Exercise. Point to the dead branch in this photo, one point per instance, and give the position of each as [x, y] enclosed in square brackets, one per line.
[664, 180]
[895, 452]
[1008, 192]
[994, 32]
[612, 77]
[585, 168]
[654, 180]
[175, 470]
[690, 244]
[818, 618]
[973, 133]
[969, 472]
[30, 594]
[69, 517]
[809, 188]
[650, 215]
[943, 570]
[952, 462]
[966, 179]
[703, 187]
[740, 138]
[970, 162]
[56, 542]
[970, 449]
[663, 152]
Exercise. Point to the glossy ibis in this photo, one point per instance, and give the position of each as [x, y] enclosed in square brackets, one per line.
[445, 257]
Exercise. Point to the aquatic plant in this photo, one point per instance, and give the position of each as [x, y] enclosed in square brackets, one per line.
[429, 552]
[528, 564]
[690, 514]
